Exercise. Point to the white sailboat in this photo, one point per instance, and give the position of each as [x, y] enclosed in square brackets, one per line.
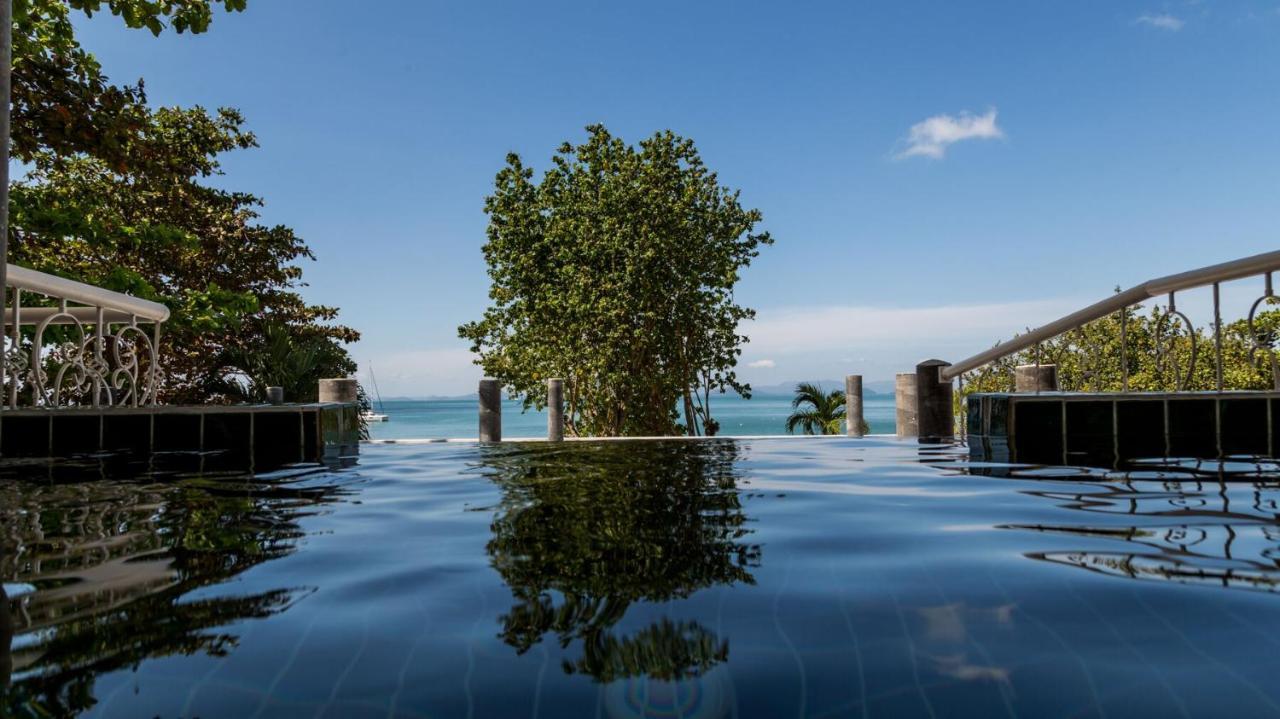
[381, 414]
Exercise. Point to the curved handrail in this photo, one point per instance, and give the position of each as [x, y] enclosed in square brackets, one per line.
[53, 286]
[1213, 274]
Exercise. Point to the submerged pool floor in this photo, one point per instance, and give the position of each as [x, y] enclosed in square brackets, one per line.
[665, 579]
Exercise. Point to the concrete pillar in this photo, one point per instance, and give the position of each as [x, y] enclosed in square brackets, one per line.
[904, 394]
[275, 395]
[339, 390]
[935, 416]
[490, 410]
[555, 410]
[853, 405]
[1035, 378]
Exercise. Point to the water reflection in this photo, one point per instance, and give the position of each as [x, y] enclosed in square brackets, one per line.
[103, 571]
[6, 640]
[1189, 521]
[579, 542]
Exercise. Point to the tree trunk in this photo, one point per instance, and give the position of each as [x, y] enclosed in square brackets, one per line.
[690, 415]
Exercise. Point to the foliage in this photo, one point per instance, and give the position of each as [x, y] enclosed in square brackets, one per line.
[1158, 353]
[116, 196]
[63, 103]
[616, 273]
[285, 359]
[823, 413]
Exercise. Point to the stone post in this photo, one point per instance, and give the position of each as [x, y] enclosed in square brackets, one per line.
[275, 395]
[904, 394]
[339, 390]
[853, 405]
[1035, 378]
[935, 417]
[555, 410]
[490, 410]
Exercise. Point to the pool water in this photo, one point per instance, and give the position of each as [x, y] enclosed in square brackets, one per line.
[819, 577]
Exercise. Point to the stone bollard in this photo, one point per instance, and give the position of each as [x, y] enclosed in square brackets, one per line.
[490, 410]
[1035, 378]
[904, 394]
[555, 410]
[275, 395]
[935, 417]
[339, 390]
[853, 405]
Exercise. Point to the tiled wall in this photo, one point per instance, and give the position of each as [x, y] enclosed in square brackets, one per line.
[1107, 429]
[257, 437]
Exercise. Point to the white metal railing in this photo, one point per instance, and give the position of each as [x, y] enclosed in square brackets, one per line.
[1213, 275]
[90, 353]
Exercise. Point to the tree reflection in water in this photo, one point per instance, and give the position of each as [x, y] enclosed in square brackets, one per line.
[111, 562]
[583, 531]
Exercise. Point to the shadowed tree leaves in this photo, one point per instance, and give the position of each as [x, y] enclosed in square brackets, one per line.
[616, 272]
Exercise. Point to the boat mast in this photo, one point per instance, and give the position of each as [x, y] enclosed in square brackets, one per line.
[376, 393]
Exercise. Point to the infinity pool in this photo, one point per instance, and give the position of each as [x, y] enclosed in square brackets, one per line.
[824, 578]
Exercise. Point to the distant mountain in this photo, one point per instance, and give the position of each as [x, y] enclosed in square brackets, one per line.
[880, 386]
[789, 388]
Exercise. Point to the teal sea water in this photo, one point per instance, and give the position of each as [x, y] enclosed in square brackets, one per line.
[457, 418]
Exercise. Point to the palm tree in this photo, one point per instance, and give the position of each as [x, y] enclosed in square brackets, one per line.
[824, 413]
[288, 357]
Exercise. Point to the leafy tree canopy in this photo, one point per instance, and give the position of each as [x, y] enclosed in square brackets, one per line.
[616, 272]
[116, 196]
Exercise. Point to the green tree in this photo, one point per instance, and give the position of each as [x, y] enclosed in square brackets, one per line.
[823, 411]
[616, 272]
[116, 195]
[62, 102]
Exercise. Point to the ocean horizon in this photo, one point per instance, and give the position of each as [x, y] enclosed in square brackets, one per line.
[458, 418]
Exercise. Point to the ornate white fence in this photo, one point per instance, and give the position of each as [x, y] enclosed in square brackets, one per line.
[77, 344]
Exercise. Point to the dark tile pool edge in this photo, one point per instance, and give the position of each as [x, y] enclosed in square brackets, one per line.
[268, 435]
[1109, 429]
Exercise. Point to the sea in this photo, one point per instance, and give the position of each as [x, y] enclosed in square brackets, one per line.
[457, 418]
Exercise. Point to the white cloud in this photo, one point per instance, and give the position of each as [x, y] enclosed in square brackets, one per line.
[932, 137]
[762, 364]
[1163, 21]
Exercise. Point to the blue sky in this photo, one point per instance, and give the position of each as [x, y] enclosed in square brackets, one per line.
[1058, 150]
